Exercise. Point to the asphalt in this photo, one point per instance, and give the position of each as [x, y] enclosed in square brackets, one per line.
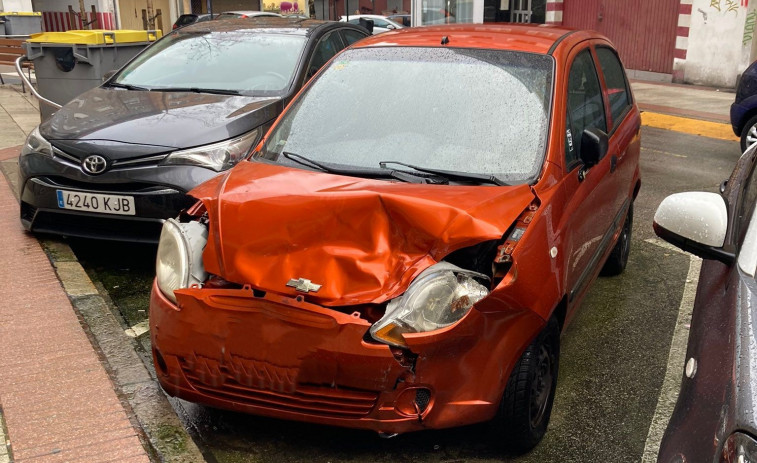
[73, 385]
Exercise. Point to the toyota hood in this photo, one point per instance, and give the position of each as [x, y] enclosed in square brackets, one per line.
[130, 123]
[363, 240]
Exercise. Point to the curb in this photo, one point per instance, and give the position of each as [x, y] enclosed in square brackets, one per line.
[126, 362]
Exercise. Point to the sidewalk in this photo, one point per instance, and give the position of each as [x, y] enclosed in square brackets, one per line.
[56, 398]
[61, 398]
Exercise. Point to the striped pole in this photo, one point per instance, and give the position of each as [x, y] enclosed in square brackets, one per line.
[682, 40]
[554, 12]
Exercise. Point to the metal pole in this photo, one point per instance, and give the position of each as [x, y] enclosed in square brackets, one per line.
[209, 3]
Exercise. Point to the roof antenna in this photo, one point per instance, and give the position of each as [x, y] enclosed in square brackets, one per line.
[445, 40]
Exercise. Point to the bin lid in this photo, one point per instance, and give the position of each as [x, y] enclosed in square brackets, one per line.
[96, 37]
[20, 13]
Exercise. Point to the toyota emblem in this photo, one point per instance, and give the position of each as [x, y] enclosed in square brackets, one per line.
[94, 164]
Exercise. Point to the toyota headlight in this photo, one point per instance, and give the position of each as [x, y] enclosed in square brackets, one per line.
[217, 156]
[179, 261]
[35, 143]
[440, 296]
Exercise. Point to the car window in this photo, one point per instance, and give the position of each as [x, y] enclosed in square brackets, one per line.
[246, 61]
[477, 111]
[350, 36]
[380, 22]
[585, 105]
[329, 45]
[617, 86]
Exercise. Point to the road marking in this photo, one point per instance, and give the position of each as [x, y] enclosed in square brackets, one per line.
[676, 357]
[139, 329]
[691, 126]
[668, 153]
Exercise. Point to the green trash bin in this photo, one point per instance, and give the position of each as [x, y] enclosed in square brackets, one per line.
[68, 64]
[21, 23]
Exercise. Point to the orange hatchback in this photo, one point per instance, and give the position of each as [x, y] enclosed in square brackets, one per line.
[399, 268]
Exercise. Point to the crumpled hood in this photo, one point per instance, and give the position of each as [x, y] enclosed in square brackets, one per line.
[108, 120]
[363, 240]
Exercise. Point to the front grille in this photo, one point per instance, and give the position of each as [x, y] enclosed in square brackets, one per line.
[129, 187]
[280, 390]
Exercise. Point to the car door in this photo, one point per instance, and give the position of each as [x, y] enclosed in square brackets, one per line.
[720, 355]
[590, 215]
[624, 125]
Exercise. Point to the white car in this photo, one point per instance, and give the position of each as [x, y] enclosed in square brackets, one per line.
[380, 23]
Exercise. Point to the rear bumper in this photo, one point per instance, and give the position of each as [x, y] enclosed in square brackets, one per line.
[278, 357]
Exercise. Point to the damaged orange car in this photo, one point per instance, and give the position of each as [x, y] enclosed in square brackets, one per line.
[399, 270]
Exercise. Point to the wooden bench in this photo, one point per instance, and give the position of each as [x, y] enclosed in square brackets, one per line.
[10, 50]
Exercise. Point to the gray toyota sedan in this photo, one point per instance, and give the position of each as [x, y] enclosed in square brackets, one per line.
[118, 160]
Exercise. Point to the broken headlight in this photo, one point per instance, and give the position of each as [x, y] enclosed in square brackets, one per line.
[179, 261]
[440, 296]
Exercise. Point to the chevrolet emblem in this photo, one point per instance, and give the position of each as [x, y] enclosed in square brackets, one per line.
[304, 286]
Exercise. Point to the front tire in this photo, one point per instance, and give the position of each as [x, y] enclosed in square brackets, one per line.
[749, 133]
[618, 258]
[527, 402]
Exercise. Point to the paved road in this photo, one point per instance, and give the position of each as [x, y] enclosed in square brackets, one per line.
[613, 364]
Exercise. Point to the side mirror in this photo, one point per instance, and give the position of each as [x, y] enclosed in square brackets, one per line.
[695, 222]
[594, 144]
[390, 27]
[108, 75]
[367, 24]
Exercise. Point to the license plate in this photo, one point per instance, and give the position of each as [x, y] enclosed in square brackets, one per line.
[94, 202]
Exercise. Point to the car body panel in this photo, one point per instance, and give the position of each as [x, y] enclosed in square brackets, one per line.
[166, 119]
[718, 394]
[363, 240]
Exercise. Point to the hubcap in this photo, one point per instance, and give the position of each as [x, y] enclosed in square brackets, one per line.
[751, 136]
[541, 387]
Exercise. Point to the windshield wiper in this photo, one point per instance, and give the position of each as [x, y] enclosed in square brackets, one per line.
[450, 174]
[409, 177]
[218, 91]
[127, 86]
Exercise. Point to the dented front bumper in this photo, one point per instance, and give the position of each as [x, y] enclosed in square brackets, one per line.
[283, 357]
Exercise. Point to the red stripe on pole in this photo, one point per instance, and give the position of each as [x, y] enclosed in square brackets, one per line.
[680, 54]
[554, 6]
[682, 31]
[684, 8]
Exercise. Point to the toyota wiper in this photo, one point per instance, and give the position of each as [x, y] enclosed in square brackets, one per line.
[217, 91]
[405, 176]
[127, 86]
[450, 174]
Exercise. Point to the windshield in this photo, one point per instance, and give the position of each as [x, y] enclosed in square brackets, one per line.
[246, 61]
[461, 110]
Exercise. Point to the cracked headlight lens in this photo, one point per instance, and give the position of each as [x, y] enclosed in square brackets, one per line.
[35, 143]
[217, 156]
[440, 296]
